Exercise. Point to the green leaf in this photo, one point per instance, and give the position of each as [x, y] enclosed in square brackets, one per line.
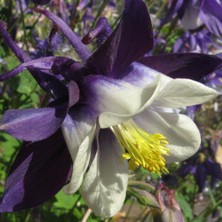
[8, 145]
[186, 208]
[64, 201]
[27, 83]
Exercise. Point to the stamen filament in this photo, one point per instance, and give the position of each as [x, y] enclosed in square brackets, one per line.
[141, 148]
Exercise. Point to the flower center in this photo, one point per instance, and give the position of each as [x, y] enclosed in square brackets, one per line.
[141, 148]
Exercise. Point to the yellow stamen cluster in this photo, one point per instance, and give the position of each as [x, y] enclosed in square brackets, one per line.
[141, 148]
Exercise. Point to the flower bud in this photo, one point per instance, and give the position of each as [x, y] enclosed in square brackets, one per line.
[171, 211]
[172, 215]
[145, 198]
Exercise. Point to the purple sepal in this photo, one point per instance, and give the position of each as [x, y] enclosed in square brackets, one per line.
[45, 63]
[183, 65]
[50, 84]
[33, 124]
[214, 169]
[131, 39]
[200, 176]
[39, 171]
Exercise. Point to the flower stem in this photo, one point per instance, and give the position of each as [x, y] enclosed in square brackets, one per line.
[100, 12]
[86, 216]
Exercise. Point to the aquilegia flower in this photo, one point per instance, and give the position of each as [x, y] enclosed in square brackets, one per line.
[201, 167]
[111, 110]
[194, 13]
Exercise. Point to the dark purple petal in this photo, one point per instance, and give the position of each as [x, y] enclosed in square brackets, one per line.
[74, 40]
[39, 171]
[200, 176]
[214, 169]
[33, 124]
[52, 85]
[186, 169]
[188, 65]
[131, 39]
[210, 14]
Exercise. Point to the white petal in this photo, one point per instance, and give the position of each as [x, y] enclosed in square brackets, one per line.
[105, 184]
[184, 92]
[77, 125]
[81, 157]
[119, 100]
[78, 130]
[180, 131]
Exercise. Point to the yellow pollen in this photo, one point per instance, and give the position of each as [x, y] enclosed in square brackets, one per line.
[141, 148]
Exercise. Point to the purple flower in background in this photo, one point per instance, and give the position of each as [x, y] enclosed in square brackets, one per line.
[214, 80]
[112, 110]
[41, 2]
[194, 13]
[201, 167]
[194, 42]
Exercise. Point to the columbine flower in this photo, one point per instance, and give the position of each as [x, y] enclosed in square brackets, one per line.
[201, 167]
[194, 13]
[194, 42]
[112, 109]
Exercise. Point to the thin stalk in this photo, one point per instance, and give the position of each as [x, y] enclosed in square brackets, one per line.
[23, 26]
[105, 2]
[86, 216]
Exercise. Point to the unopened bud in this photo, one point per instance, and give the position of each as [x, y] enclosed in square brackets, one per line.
[145, 198]
[172, 215]
[171, 211]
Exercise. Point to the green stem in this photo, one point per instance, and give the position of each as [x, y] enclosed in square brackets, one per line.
[105, 2]
[23, 26]
[161, 9]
